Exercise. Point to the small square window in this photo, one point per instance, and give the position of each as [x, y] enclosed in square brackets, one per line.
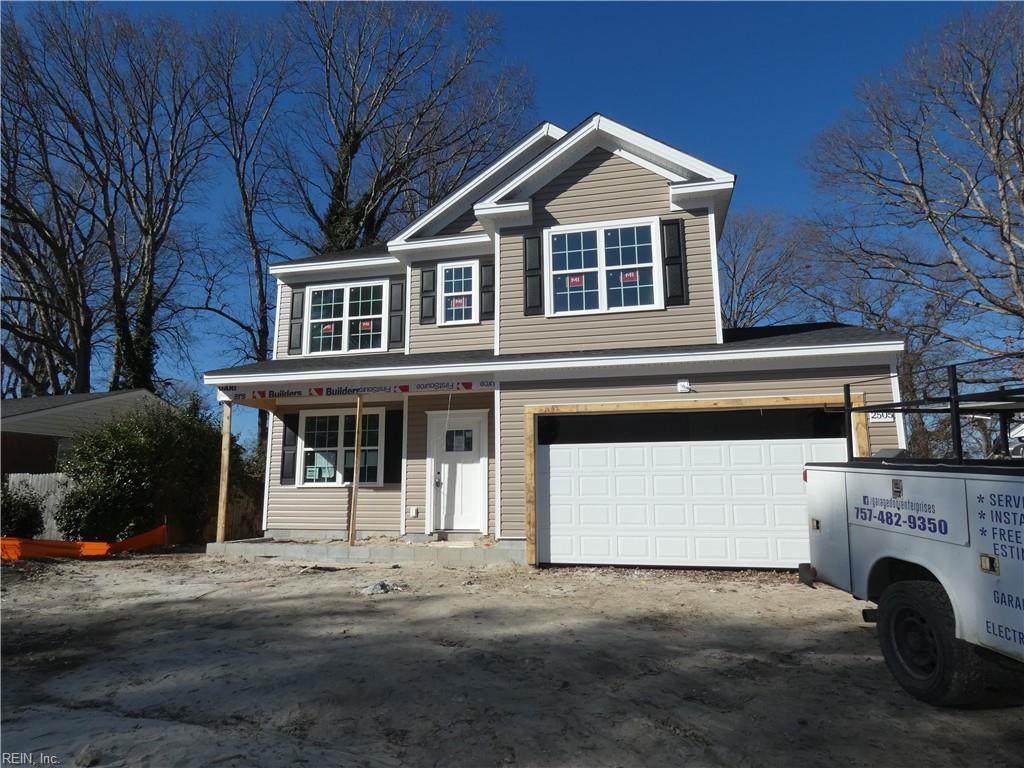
[458, 440]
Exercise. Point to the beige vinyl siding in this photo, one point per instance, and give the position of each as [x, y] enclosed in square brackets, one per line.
[444, 338]
[600, 186]
[325, 508]
[465, 224]
[516, 395]
[416, 458]
[605, 187]
[284, 312]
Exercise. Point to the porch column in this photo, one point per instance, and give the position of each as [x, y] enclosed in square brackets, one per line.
[225, 471]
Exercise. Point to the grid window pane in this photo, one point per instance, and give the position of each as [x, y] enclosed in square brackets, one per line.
[628, 245]
[365, 333]
[371, 431]
[575, 250]
[327, 305]
[326, 337]
[368, 465]
[632, 287]
[366, 301]
[458, 308]
[574, 292]
[458, 279]
[321, 432]
[319, 466]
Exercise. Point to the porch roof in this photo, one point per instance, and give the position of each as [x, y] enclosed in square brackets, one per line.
[739, 343]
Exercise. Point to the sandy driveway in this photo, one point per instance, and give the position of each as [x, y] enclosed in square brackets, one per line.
[193, 661]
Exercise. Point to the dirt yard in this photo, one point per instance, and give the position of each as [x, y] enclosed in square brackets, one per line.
[188, 660]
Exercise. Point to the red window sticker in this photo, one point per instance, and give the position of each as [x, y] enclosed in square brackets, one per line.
[329, 328]
[458, 302]
[365, 325]
[575, 281]
[630, 277]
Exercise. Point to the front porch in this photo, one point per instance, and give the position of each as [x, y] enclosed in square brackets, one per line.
[422, 464]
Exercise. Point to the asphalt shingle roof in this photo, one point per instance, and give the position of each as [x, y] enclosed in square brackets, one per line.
[735, 340]
[22, 405]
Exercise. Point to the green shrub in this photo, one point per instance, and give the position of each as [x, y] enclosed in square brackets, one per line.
[21, 512]
[133, 473]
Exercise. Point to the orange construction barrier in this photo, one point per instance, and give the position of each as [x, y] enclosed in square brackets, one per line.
[12, 548]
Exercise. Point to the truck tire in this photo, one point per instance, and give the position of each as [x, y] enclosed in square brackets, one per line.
[917, 632]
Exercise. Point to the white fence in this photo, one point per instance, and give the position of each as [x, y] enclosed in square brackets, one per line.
[52, 488]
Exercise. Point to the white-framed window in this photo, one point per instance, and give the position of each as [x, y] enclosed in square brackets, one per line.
[327, 447]
[460, 292]
[347, 317]
[603, 267]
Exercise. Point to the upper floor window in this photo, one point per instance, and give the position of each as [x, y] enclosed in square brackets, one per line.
[459, 292]
[348, 317]
[613, 267]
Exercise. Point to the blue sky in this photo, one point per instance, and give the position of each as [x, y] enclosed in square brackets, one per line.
[745, 86]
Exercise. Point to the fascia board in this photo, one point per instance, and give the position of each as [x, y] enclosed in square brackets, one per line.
[523, 369]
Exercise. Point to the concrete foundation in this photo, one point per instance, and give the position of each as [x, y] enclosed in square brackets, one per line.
[339, 552]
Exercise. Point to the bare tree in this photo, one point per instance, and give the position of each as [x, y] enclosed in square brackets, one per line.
[124, 110]
[399, 110]
[760, 269]
[927, 178]
[54, 303]
[250, 75]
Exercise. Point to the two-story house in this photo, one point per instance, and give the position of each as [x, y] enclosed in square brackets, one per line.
[541, 359]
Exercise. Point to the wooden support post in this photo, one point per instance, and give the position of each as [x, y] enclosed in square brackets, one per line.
[225, 473]
[354, 496]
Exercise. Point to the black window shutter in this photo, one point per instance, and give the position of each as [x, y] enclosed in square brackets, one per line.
[673, 250]
[533, 277]
[428, 296]
[396, 315]
[486, 291]
[392, 446]
[289, 446]
[295, 321]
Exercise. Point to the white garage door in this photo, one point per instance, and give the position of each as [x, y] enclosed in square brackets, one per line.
[731, 503]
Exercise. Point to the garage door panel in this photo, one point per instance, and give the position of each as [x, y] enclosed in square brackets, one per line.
[729, 503]
[671, 516]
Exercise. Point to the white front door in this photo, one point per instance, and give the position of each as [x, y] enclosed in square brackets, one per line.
[457, 470]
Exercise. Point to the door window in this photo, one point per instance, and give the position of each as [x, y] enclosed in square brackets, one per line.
[458, 440]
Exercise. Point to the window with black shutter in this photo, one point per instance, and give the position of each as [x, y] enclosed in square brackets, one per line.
[428, 296]
[533, 277]
[289, 446]
[673, 248]
[295, 318]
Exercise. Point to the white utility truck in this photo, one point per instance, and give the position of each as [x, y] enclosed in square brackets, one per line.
[939, 546]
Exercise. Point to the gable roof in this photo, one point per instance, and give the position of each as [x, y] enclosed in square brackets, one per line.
[690, 179]
[62, 415]
[480, 183]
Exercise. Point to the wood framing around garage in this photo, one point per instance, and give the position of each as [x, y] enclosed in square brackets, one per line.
[531, 412]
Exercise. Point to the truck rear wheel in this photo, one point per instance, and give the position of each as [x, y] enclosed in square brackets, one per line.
[917, 632]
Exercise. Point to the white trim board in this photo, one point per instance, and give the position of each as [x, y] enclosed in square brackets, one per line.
[525, 368]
